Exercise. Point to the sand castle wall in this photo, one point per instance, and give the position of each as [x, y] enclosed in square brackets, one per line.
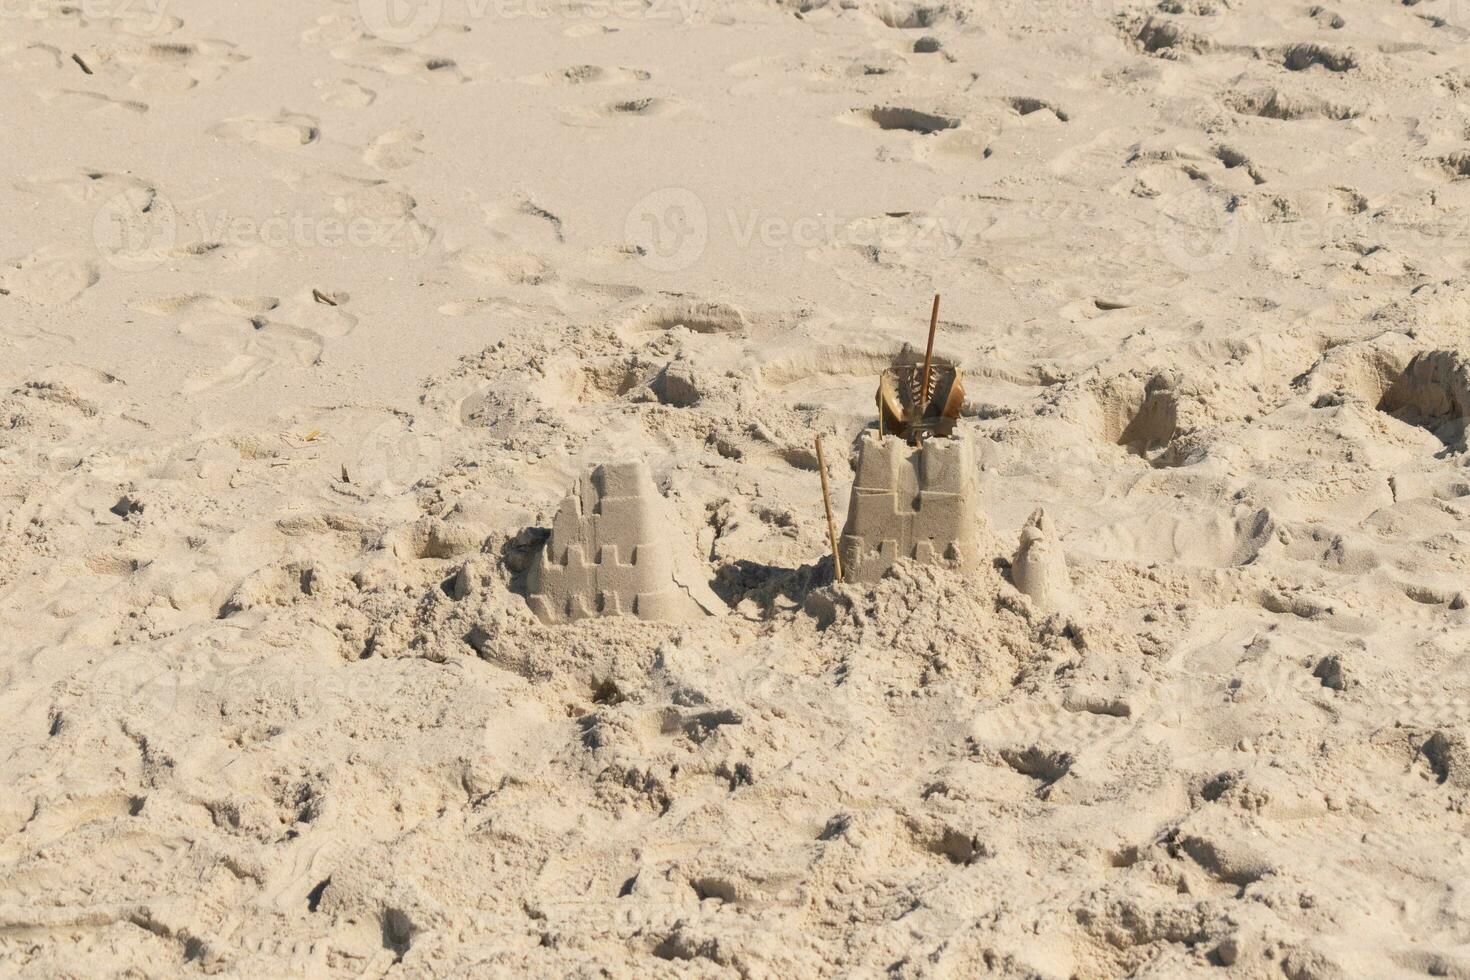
[610, 553]
[907, 502]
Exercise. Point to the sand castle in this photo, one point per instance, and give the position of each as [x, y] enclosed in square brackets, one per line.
[915, 497]
[610, 554]
[917, 502]
[911, 499]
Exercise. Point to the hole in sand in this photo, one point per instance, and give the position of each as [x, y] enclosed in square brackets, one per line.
[1275, 104]
[1025, 105]
[1142, 418]
[1152, 426]
[1043, 765]
[1456, 164]
[1167, 39]
[1300, 57]
[956, 847]
[397, 932]
[697, 316]
[911, 16]
[713, 888]
[607, 692]
[1433, 392]
[908, 120]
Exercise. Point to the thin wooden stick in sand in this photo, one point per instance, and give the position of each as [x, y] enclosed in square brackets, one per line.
[925, 393]
[827, 503]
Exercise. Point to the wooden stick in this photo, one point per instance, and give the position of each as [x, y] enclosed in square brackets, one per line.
[926, 393]
[827, 503]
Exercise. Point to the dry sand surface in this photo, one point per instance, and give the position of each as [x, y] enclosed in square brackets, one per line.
[313, 313]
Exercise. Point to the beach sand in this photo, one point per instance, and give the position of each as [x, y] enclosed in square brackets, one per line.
[313, 314]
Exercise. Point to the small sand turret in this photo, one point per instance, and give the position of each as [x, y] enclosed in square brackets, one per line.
[1040, 567]
[613, 551]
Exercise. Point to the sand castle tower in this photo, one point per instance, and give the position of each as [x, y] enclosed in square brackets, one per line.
[614, 551]
[917, 502]
[1039, 568]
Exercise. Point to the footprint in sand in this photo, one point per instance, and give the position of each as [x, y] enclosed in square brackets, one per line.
[285, 130]
[391, 59]
[510, 268]
[145, 20]
[47, 278]
[1273, 103]
[160, 66]
[887, 117]
[345, 93]
[394, 150]
[208, 303]
[245, 339]
[522, 221]
[233, 349]
[908, 16]
[135, 229]
[610, 113]
[138, 228]
[378, 213]
[1024, 735]
[1025, 105]
[585, 29]
[1300, 57]
[27, 60]
[133, 226]
[84, 186]
[390, 211]
[589, 75]
[78, 101]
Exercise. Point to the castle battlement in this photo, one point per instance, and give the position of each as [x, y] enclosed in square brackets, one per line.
[912, 503]
[609, 553]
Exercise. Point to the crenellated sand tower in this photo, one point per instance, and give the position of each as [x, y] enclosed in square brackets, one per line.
[610, 554]
[912, 502]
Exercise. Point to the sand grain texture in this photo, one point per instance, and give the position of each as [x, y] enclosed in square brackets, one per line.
[311, 317]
